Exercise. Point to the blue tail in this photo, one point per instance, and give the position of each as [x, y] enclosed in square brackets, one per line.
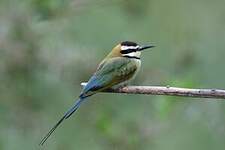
[65, 116]
[74, 108]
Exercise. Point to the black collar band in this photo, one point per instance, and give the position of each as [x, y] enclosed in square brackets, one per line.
[134, 57]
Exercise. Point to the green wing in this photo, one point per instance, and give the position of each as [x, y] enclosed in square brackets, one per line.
[111, 72]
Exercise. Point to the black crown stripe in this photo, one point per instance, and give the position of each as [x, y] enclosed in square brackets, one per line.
[128, 43]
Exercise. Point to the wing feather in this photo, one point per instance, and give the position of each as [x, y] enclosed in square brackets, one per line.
[111, 72]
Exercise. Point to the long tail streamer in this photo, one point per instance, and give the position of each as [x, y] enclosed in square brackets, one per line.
[65, 116]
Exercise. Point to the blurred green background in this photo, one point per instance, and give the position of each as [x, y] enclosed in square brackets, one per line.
[48, 47]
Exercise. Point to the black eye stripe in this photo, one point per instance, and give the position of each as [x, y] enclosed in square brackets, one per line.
[128, 51]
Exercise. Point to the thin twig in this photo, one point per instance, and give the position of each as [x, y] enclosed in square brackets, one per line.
[172, 91]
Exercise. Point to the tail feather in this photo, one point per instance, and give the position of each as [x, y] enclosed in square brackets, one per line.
[65, 116]
[73, 109]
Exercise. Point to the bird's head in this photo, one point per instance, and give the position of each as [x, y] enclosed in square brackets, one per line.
[128, 49]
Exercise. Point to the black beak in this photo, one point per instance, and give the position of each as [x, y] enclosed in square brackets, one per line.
[145, 47]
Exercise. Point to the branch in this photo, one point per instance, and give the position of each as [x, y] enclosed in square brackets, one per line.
[166, 90]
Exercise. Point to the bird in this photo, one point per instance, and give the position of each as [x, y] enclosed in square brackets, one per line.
[114, 71]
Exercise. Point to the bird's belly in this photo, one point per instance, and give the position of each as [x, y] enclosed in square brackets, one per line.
[138, 64]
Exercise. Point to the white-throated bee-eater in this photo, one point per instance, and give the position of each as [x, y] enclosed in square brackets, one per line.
[119, 66]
